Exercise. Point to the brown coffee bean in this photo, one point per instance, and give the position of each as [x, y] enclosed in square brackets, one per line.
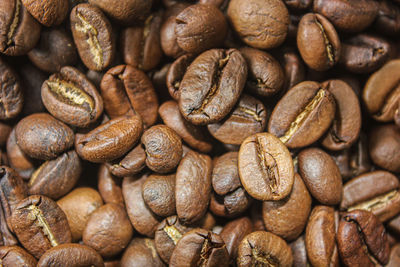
[78, 205]
[141, 252]
[48, 13]
[303, 114]
[287, 218]
[93, 36]
[318, 42]
[200, 247]
[43, 137]
[132, 163]
[298, 5]
[73, 255]
[261, 24]
[14, 256]
[377, 192]
[109, 186]
[321, 176]
[7, 238]
[127, 90]
[40, 224]
[5, 131]
[19, 30]
[193, 181]
[369, 243]
[388, 18]
[163, 148]
[12, 99]
[394, 258]
[176, 73]
[320, 237]
[56, 177]
[110, 140]
[208, 96]
[225, 173]
[264, 248]
[248, 117]
[299, 252]
[265, 167]
[233, 233]
[231, 204]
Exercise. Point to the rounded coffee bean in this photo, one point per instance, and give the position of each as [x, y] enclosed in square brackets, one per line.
[93, 36]
[298, 5]
[5, 131]
[299, 252]
[131, 163]
[265, 167]
[141, 252]
[212, 85]
[109, 186]
[48, 13]
[14, 256]
[233, 233]
[12, 99]
[225, 173]
[294, 68]
[41, 136]
[176, 73]
[260, 23]
[321, 176]
[263, 248]
[318, 42]
[388, 18]
[394, 258]
[231, 204]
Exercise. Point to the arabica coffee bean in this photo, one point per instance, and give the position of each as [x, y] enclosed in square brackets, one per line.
[109, 186]
[293, 67]
[299, 252]
[14, 256]
[233, 233]
[12, 98]
[175, 74]
[231, 204]
[265, 167]
[131, 163]
[48, 13]
[260, 23]
[7, 238]
[141, 252]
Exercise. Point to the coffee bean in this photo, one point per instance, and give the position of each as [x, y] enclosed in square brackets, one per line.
[141, 252]
[388, 18]
[109, 186]
[12, 98]
[231, 204]
[298, 5]
[131, 163]
[48, 13]
[299, 252]
[233, 233]
[5, 131]
[16, 256]
[7, 238]
[294, 69]
[265, 167]
[394, 258]
[176, 73]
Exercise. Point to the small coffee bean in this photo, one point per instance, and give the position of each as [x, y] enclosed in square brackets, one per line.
[233, 233]
[394, 258]
[231, 204]
[109, 186]
[7, 238]
[48, 13]
[5, 131]
[176, 73]
[293, 67]
[298, 5]
[12, 99]
[131, 163]
[299, 252]
[388, 18]
[141, 252]
[14, 256]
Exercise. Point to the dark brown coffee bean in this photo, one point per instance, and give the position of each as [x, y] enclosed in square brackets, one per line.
[321, 176]
[109, 186]
[384, 147]
[73, 255]
[110, 140]
[14, 256]
[208, 96]
[55, 50]
[56, 177]
[193, 181]
[394, 258]
[5, 131]
[248, 117]
[233, 233]
[176, 73]
[48, 13]
[11, 97]
[163, 148]
[41, 136]
[298, 5]
[231, 204]
[381, 93]
[320, 237]
[225, 174]
[265, 167]
[40, 224]
[141, 46]
[261, 24]
[294, 68]
[388, 18]
[287, 218]
[303, 114]
[19, 30]
[7, 238]
[93, 36]
[32, 79]
[299, 252]
[132, 163]
[168, 233]
[318, 42]
[141, 252]
[159, 194]
[200, 247]
[377, 192]
[127, 90]
[349, 16]
[369, 243]
[262, 248]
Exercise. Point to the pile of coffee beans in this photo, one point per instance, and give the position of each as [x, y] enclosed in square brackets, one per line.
[207, 133]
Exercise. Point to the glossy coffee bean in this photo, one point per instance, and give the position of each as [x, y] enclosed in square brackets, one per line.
[109, 186]
[141, 252]
[15, 256]
[176, 73]
[233, 233]
[230, 205]
[294, 69]
[48, 13]
[131, 163]
[299, 252]
[12, 98]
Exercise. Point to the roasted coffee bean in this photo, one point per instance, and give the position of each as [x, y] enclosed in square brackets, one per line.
[7, 238]
[262, 248]
[200, 247]
[73, 255]
[233, 233]
[388, 18]
[394, 258]
[265, 167]
[176, 73]
[110, 140]
[299, 252]
[56, 177]
[78, 205]
[200, 27]
[93, 36]
[109, 186]
[303, 114]
[369, 244]
[127, 90]
[141, 46]
[195, 136]
[321, 175]
[298, 5]
[14, 256]
[231, 204]
[40, 224]
[167, 235]
[320, 237]
[259, 23]
[5, 131]
[287, 218]
[43, 137]
[163, 148]
[381, 93]
[11, 97]
[225, 173]
[141, 252]
[131, 163]
[55, 50]
[349, 16]
[19, 31]
[377, 192]
[48, 13]
[294, 69]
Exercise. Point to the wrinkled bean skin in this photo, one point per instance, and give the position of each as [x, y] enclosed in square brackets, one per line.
[132, 163]
[15, 256]
[48, 13]
[233, 233]
[11, 95]
[141, 252]
[175, 74]
[109, 186]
